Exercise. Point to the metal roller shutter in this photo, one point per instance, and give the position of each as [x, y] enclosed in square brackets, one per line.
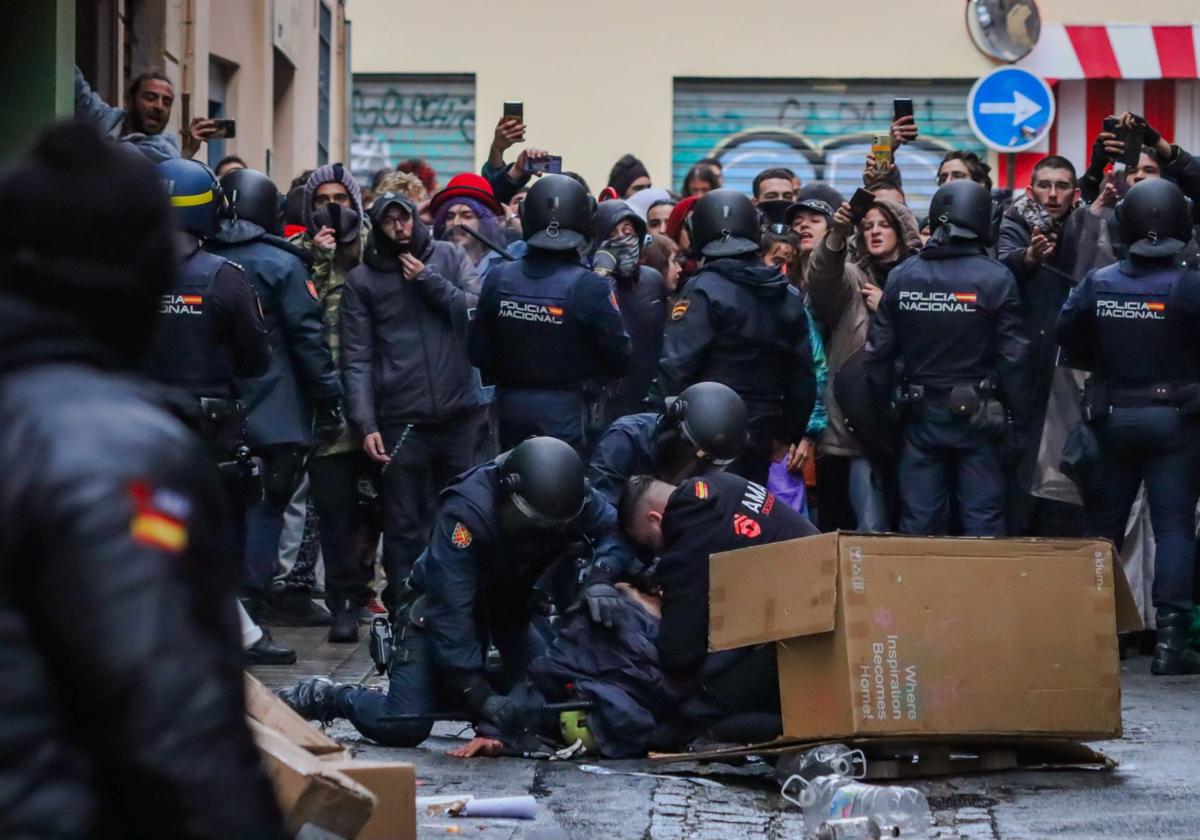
[821, 130]
[396, 117]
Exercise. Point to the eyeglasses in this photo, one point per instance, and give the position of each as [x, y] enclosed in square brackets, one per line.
[1057, 186]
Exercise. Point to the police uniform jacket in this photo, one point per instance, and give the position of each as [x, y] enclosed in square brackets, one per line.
[704, 516]
[279, 404]
[624, 450]
[472, 579]
[122, 713]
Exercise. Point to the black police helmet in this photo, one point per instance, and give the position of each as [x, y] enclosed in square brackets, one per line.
[557, 214]
[253, 197]
[1155, 219]
[725, 224]
[543, 478]
[964, 208]
[703, 427]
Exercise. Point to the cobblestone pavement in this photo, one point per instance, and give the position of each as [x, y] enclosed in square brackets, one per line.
[1155, 793]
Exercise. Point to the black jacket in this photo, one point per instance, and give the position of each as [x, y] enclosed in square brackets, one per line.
[122, 713]
[743, 325]
[403, 343]
[704, 516]
[279, 404]
[643, 305]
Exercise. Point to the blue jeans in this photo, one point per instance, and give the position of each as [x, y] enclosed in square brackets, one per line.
[942, 454]
[867, 497]
[415, 686]
[1157, 445]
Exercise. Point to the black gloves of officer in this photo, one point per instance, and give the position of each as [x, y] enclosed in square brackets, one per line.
[329, 422]
[477, 697]
[604, 602]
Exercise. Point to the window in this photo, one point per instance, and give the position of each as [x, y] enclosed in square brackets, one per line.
[324, 80]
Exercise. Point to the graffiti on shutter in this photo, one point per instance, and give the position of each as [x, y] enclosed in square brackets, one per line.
[820, 130]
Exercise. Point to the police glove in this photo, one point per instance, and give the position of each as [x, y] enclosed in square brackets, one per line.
[604, 601]
[604, 263]
[502, 713]
[329, 422]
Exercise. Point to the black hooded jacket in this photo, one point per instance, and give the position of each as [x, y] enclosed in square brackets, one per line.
[122, 713]
[403, 342]
[742, 324]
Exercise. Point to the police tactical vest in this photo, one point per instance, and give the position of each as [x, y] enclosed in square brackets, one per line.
[185, 352]
[544, 344]
[1143, 334]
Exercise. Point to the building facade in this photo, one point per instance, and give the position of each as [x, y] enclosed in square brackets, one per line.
[755, 83]
[280, 68]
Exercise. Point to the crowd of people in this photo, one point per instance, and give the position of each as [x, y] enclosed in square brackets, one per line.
[542, 407]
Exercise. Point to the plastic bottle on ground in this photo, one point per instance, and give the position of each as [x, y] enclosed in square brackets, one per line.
[836, 797]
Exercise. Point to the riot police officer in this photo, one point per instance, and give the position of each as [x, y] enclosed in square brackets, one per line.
[702, 430]
[209, 331]
[497, 529]
[116, 626]
[547, 328]
[741, 324]
[952, 317]
[301, 379]
[1136, 326]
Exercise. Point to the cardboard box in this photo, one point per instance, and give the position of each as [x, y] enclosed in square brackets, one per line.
[263, 706]
[934, 638]
[311, 791]
[395, 787]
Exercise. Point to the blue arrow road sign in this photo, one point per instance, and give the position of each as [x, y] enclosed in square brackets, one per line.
[1011, 109]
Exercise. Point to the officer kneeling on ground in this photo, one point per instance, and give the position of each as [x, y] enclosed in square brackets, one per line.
[742, 324]
[685, 525]
[547, 328]
[497, 529]
[702, 430]
[1136, 326]
[953, 317]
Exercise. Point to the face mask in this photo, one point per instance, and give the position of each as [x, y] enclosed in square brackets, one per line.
[627, 250]
[344, 221]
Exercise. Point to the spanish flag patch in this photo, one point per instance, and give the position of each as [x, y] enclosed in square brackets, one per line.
[158, 518]
[678, 309]
[701, 489]
[461, 536]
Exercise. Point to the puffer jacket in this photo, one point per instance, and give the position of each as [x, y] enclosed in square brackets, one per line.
[403, 342]
[123, 712]
[835, 286]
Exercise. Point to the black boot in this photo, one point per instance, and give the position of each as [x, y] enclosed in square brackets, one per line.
[266, 651]
[1173, 655]
[297, 609]
[344, 629]
[314, 698]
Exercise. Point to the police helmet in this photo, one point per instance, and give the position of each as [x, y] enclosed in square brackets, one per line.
[196, 195]
[1155, 219]
[543, 480]
[725, 224]
[557, 214]
[964, 208]
[701, 429]
[255, 198]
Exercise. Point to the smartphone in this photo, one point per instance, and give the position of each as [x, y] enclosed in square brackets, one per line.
[901, 107]
[860, 203]
[1134, 138]
[881, 150]
[226, 129]
[551, 164]
[515, 110]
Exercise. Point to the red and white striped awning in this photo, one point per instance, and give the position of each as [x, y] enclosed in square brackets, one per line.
[1115, 51]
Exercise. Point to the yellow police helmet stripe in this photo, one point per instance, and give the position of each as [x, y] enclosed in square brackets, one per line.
[192, 200]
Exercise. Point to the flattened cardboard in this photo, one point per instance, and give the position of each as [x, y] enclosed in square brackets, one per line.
[933, 638]
[263, 706]
[770, 592]
[310, 790]
[395, 787]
